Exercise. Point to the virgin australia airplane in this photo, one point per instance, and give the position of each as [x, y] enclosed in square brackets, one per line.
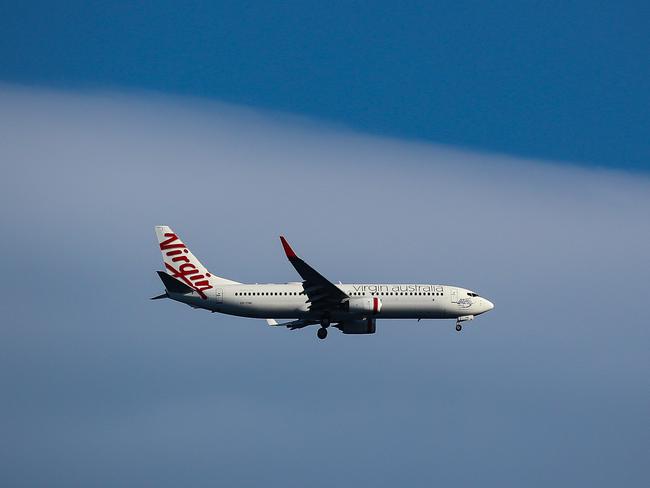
[351, 308]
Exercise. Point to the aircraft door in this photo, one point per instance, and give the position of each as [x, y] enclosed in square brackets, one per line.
[454, 295]
[218, 293]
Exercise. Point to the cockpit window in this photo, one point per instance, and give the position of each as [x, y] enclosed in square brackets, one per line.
[472, 294]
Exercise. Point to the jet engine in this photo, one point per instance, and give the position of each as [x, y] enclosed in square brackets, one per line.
[365, 305]
[365, 326]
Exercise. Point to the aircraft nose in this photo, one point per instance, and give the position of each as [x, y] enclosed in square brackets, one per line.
[488, 305]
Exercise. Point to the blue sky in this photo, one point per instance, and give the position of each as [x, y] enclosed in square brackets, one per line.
[555, 80]
[418, 145]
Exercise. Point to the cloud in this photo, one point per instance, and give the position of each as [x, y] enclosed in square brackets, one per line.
[550, 387]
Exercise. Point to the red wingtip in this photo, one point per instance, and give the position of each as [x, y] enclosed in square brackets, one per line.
[287, 248]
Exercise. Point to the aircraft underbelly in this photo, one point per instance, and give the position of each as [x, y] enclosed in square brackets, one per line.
[269, 310]
[288, 310]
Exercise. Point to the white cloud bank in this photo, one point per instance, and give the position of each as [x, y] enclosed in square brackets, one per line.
[550, 387]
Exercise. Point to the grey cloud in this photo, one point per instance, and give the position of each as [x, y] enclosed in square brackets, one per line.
[103, 387]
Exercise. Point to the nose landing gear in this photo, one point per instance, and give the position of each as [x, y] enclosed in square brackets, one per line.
[322, 333]
[463, 318]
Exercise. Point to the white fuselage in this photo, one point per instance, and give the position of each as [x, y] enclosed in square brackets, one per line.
[288, 301]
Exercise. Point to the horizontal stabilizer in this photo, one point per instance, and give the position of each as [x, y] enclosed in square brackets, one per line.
[172, 284]
[164, 295]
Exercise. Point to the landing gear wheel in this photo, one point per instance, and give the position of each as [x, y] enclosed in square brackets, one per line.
[325, 322]
[322, 333]
[459, 327]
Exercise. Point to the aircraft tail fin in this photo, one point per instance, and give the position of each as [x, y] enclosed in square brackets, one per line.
[183, 266]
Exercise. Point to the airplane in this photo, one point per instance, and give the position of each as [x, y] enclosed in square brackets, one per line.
[352, 308]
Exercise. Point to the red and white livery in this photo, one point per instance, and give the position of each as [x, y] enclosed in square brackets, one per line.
[352, 308]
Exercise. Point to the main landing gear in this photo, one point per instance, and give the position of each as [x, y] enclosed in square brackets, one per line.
[459, 327]
[324, 324]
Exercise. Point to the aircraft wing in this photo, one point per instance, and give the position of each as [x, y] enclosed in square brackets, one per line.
[322, 293]
[293, 325]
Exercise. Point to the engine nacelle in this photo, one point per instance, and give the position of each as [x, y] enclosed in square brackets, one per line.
[364, 306]
[365, 326]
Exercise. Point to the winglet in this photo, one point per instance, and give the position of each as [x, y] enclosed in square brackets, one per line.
[287, 248]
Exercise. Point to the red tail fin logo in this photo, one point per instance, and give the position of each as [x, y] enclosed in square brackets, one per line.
[175, 251]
